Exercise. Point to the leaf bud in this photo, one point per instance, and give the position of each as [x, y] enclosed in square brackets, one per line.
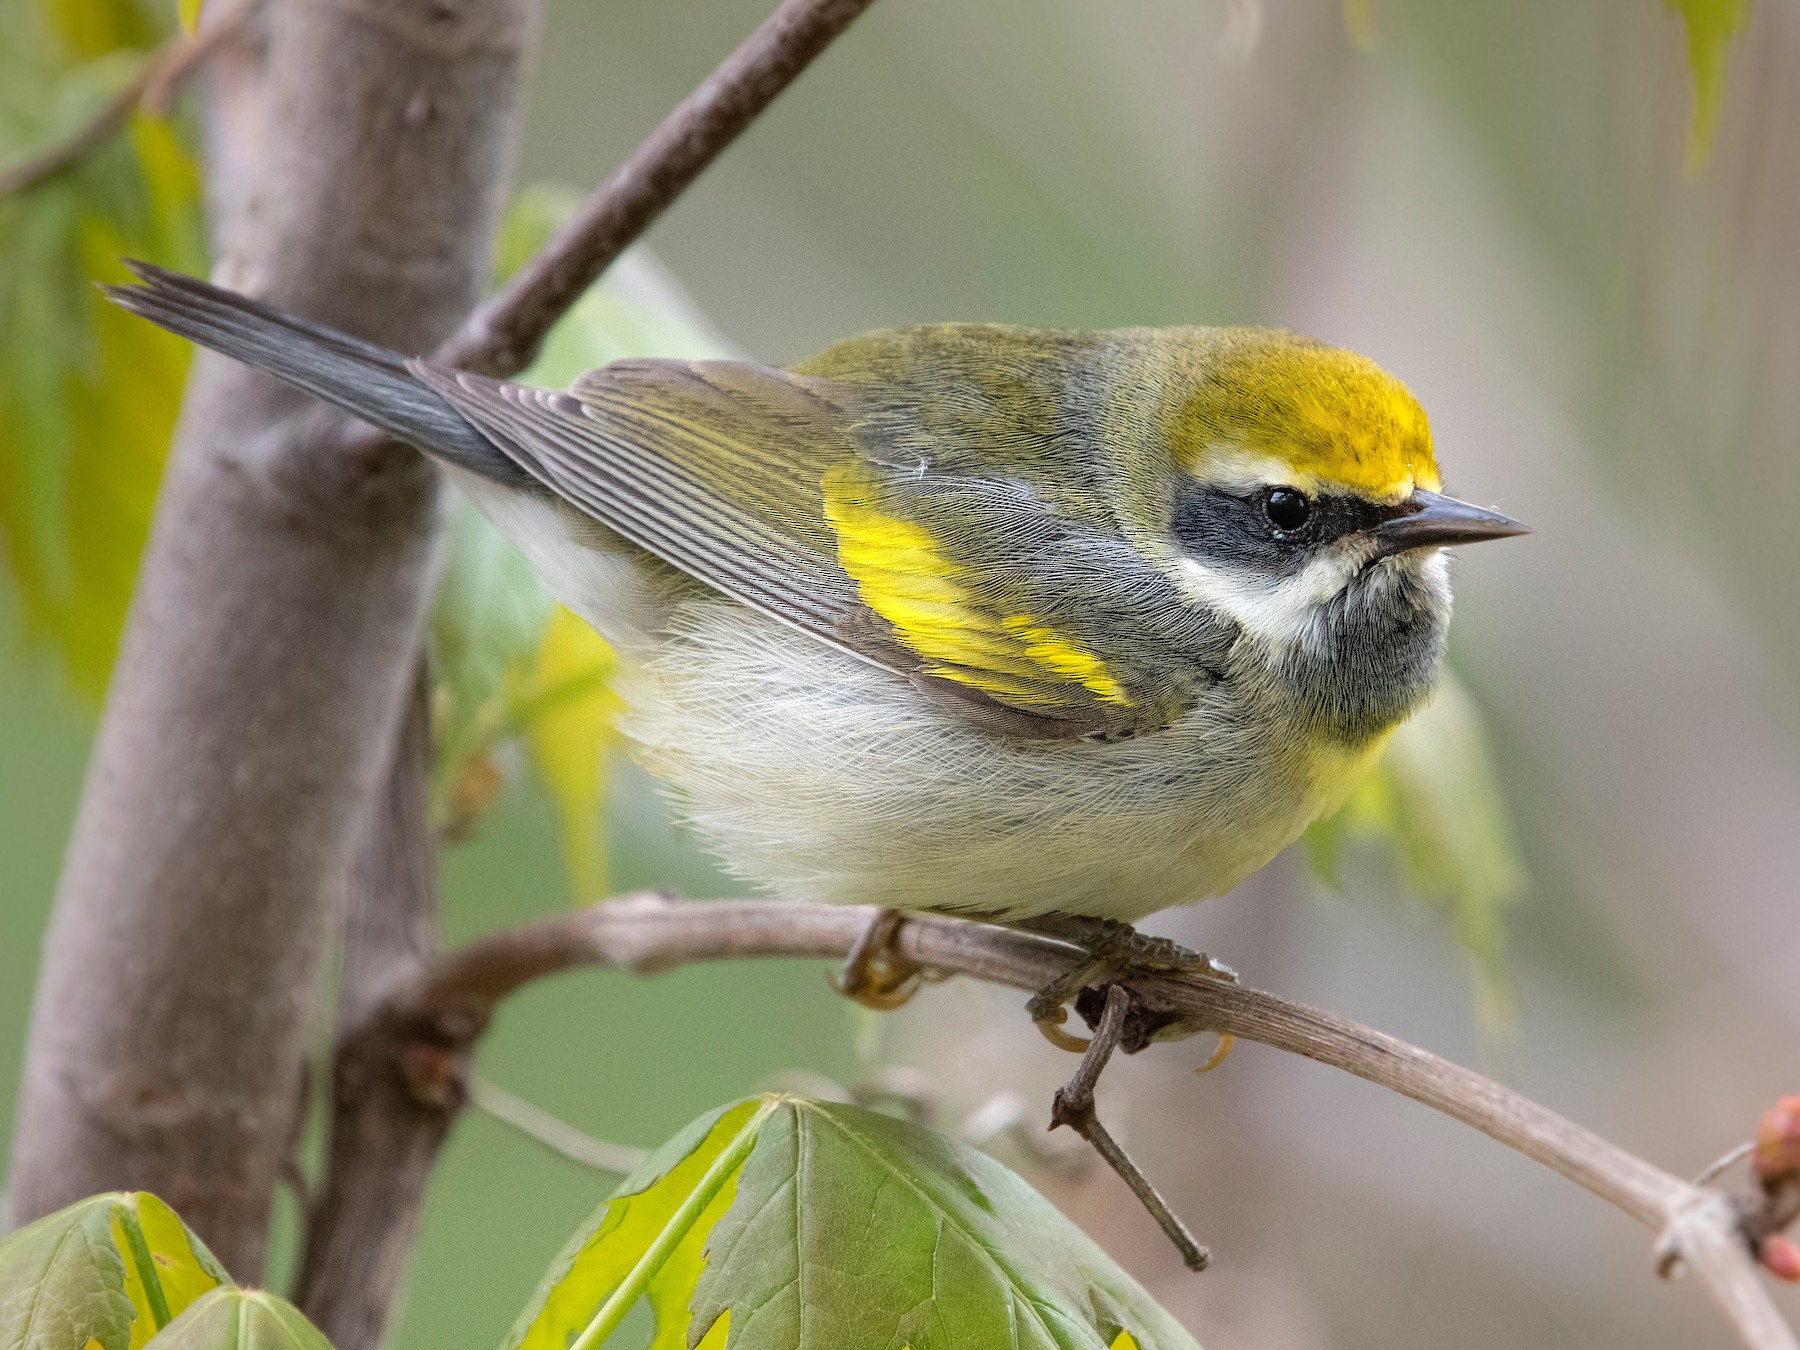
[1777, 1150]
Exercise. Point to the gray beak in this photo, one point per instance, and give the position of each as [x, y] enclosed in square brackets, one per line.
[1433, 520]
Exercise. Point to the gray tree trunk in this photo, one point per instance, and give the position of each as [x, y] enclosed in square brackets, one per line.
[259, 690]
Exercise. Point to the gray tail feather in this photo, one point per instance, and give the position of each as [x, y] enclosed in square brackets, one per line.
[359, 377]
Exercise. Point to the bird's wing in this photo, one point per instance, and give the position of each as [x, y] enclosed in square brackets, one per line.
[757, 482]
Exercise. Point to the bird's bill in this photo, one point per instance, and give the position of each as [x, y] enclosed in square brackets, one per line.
[1433, 520]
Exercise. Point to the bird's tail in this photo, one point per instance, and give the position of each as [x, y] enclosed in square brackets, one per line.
[359, 377]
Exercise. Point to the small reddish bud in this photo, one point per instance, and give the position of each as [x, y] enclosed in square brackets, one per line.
[1777, 1151]
[1780, 1256]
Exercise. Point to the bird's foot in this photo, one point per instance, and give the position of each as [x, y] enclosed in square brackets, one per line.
[875, 974]
[1113, 953]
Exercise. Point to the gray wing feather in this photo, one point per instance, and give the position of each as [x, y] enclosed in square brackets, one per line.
[592, 460]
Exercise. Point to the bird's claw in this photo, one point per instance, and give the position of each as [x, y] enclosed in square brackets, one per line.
[1051, 1026]
[1114, 953]
[875, 974]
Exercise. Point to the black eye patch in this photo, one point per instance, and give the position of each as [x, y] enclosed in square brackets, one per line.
[1268, 529]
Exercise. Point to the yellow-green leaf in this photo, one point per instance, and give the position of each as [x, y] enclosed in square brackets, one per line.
[113, 1270]
[658, 1219]
[569, 721]
[190, 16]
[90, 28]
[242, 1319]
[1434, 802]
[787, 1224]
[88, 396]
[1711, 26]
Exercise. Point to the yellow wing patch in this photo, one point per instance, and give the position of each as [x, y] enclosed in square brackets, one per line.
[902, 574]
[1065, 658]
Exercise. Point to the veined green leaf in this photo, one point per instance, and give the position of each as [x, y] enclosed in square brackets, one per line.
[1434, 801]
[787, 1224]
[113, 1270]
[665, 1209]
[1711, 26]
[242, 1319]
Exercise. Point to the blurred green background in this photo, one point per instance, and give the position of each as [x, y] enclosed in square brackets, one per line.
[1493, 203]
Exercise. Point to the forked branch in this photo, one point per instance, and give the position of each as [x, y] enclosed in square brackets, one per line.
[1698, 1228]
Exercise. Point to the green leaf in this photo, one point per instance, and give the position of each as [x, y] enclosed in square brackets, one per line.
[1711, 26]
[88, 396]
[636, 309]
[1434, 802]
[787, 1224]
[486, 623]
[670, 1203]
[114, 1269]
[242, 1319]
[190, 15]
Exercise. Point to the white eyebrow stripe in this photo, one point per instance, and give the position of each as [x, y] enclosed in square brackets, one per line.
[1237, 468]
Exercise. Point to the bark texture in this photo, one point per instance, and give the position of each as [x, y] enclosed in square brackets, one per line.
[395, 1089]
[274, 632]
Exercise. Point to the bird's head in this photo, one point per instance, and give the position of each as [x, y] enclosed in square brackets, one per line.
[1301, 502]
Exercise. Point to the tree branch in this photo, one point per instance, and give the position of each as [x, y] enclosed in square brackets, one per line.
[1698, 1228]
[265, 665]
[382, 1138]
[502, 336]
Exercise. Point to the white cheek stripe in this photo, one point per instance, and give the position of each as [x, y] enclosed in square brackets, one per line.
[1286, 611]
[1282, 611]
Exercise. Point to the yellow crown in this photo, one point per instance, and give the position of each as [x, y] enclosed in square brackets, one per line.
[1330, 417]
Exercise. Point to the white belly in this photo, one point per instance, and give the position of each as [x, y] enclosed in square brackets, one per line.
[822, 778]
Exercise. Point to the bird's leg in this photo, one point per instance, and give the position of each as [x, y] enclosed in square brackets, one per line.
[875, 974]
[1113, 952]
[1073, 1106]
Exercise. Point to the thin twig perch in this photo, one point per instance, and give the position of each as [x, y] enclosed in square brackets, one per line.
[1698, 1228]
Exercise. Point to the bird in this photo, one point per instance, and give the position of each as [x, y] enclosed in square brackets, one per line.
[1055, 628]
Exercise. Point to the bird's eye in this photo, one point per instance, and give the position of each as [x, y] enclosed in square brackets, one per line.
[1287, 508]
